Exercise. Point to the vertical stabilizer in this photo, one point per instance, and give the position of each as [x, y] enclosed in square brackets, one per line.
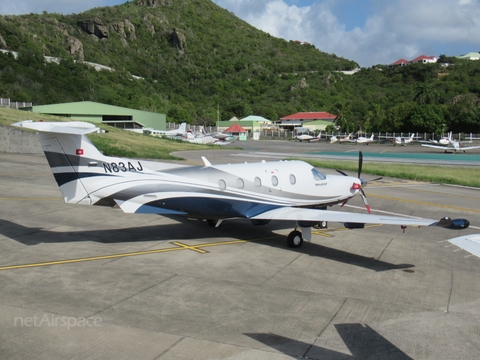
[67, 149]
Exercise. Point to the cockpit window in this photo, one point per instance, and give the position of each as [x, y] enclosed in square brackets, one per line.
[317, 175]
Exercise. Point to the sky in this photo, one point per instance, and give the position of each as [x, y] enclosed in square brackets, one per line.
[369, 32]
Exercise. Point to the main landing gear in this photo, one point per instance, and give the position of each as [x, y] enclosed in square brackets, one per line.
[295, 238]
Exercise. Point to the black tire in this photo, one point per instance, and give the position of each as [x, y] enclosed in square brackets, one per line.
[322, 225]
[212, 222]
[294, 239]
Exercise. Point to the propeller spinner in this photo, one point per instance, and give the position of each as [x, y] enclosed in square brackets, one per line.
[363, 182]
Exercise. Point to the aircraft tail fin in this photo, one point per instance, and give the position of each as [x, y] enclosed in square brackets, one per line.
[69, 152]
[182, 129]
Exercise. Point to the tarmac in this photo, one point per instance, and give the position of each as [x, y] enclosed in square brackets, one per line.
[93, 282]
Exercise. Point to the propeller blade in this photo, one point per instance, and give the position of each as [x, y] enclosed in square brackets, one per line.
[341, 172]
[364, 197]
[360, 163]
[380, 178]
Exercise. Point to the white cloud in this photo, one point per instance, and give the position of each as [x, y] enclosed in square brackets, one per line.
[392, 30]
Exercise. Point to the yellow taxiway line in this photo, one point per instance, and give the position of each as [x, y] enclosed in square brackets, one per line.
[179, 246]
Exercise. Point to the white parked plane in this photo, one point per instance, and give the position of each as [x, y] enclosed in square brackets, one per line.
[403, 140]
[308, 138]
[364, 140]
[263, 191]
[347, 138]
[443, 140]
[452, 146]
[170, 133]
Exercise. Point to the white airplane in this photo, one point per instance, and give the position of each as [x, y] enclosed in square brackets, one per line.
[172, 133]
[452, 146]
[308, 138]
[445, 140]
[263, 191]
[228, 138]
[403, 140]
[364, 140]
[347, 138]
[203, 139]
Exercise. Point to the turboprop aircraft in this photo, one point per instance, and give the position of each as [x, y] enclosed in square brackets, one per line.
[262, 191]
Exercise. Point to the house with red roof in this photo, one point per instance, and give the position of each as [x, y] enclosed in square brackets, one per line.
[315, 120]
[419, 59]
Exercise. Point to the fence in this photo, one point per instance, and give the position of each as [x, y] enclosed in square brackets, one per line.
[14, 104]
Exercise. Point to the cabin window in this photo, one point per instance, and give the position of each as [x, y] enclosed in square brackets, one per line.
[258, 182]
[274, 180]
[222, 184]
[293, 179]
[317, 175]
[240, 183]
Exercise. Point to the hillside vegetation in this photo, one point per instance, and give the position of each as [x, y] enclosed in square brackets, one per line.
[199, 63]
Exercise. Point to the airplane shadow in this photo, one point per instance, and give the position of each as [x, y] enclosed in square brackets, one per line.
[240, 229]
[362, 341]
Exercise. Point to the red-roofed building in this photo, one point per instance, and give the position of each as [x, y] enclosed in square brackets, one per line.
[237, 130]
[316, 120]
[424, 59]
[419, 59]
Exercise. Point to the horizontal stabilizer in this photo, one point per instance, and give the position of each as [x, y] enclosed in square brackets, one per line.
[71, 127]
[470, 243]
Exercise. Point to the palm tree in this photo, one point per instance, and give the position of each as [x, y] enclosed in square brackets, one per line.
[425, 93]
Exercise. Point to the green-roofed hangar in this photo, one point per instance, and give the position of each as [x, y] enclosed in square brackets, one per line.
[106, 114]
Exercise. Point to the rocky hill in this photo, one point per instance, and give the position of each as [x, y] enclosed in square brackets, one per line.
[191, 53]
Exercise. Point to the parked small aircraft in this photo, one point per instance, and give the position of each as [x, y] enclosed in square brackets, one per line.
[452, 145]
[444, 140]
[347, 138]
[203, 139]
[263, 191]
[172, 133]
[399, 140]
[364, 140]
[307, 138]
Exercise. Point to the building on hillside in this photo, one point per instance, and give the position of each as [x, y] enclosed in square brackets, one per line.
[314, 121]
[470, 56]
[106, 114]
[419, 59]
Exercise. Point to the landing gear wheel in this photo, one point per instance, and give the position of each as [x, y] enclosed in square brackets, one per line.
[212, 222]
[321, 225]
[294, 239]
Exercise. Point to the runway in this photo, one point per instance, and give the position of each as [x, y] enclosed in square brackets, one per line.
[93, 282]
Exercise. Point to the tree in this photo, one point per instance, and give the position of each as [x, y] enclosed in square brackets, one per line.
[425, 93]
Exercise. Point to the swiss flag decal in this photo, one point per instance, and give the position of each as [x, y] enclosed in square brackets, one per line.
[79, 152]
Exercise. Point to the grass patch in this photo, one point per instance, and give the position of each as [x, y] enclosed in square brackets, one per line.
[455, 175]
[117, 142]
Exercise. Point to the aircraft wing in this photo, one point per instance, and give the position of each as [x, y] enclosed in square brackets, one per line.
[470, 243]
[437, 146]
[312, 215]
[468, 148]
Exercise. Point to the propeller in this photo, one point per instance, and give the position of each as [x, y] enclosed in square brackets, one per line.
[362, 182]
